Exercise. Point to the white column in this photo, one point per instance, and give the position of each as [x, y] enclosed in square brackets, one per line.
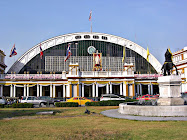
[138, 90]
[64, 90]
[82, 89]
[151, 89]
[93, 90]
[54, 91]
[38, 90]
[121, 89]
[124, 89]
[107, 88]
[24, 90]
[68, 91]
[110, 88]
[11, 90]
[97, 90]
[1, 91]
[14, 91]
[27, 90]
[51, 91]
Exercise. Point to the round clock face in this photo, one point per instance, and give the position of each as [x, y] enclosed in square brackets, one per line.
[91, 49]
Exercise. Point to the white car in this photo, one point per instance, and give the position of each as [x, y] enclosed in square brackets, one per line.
[33, 100]
[3, 101]
[106, 97]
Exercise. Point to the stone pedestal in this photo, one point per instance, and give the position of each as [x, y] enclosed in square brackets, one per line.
[170, 91]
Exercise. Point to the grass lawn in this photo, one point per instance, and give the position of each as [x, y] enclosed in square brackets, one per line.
[72, 123]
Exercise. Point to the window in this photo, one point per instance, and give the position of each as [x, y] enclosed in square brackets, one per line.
[104, 37]
[86, 36]
[96, 37]
[78, 37]
[29, 98]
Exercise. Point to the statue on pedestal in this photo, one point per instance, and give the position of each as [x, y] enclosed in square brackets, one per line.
[168, 64]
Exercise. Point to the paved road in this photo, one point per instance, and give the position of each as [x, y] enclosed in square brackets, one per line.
[113, 113]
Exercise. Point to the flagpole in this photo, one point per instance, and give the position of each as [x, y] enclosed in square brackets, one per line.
[91, 26]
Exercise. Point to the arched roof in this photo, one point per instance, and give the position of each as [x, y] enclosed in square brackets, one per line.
[31, 53]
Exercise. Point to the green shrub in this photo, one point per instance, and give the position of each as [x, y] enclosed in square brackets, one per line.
[109, 103]
[22, 105]
[66, 104]
[1, 106]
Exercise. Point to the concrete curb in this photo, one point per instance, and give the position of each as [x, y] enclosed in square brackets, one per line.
[113, 113]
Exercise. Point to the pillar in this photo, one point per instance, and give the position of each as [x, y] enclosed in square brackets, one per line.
[54, 91]
[93, 90]
[140, 89]
[124, 89]
[97, 90]
[78, 90]
[133, 90]
[38, 90]
[68, 91]
[82, 89]
[1, 90]
[121, 89]
[110, 88]
[14, 91]
[51, 91]
[149, 92]
[24, 90]
[27, 90]
[11, 90]
[152, 89]
[64, 91]
[127, 90]
[107, 88]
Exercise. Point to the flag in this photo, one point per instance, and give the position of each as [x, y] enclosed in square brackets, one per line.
[68, 53]
[41, 52]
[13, 51]
[90, 17]
[148, 54]
[170, 53]
[123, 54]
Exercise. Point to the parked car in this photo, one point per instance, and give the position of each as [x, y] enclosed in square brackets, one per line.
[106, 97]
[48, 99]
[147, 97]
[184, 96]
[79, 100]
[33, 100]
[3, 101]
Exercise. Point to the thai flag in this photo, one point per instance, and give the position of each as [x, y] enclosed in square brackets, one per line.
[41, 52]
[90, 17]
[13, 51]
[68, 53]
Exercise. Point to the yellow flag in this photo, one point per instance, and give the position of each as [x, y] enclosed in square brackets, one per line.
[171, 54]
[148, 54]
[123, 54]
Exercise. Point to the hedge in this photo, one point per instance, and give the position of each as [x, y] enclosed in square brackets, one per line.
[66, 104]
[109, 103]
[22, 105]
[2, 105]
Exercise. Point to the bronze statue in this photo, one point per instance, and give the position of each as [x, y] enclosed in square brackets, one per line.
[168, 64]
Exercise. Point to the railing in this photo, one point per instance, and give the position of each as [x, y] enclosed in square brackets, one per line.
[31, 76]
[80, 74]
[147, 75]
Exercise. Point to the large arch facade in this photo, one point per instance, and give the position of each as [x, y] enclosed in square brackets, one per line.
[34, 51]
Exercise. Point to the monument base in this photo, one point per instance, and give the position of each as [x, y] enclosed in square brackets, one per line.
[170, 101]
[170, 91]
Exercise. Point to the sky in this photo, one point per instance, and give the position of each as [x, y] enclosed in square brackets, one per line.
[158, 24]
